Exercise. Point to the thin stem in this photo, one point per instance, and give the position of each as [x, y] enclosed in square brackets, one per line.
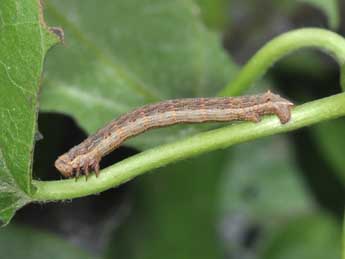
[303, 115]
[282, 45]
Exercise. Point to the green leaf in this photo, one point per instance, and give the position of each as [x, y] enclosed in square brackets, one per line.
[119, 55]
[260, 171]
[329, 136]
[310, 237]
[215, 13]
[22, 242]
[330, 8]
[175, 213]
[24, 41]
[261, 187]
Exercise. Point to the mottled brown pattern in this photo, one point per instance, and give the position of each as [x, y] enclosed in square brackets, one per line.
[87, 155]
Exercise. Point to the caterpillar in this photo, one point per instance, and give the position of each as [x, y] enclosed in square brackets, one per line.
[86, 156]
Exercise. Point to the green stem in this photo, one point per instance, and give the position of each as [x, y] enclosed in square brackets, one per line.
[282, 45]
[303, 115]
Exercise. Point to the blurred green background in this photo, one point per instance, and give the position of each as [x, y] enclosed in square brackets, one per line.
[277, 197]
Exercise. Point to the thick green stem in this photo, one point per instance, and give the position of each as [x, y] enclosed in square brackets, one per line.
[282, 45]
[303, 115]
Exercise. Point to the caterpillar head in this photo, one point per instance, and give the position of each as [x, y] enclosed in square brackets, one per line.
[64, 165]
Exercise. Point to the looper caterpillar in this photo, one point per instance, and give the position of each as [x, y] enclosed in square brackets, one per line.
[87, 155]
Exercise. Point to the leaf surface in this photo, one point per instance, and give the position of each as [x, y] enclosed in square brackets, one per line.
[261, 190]
[175, 210]
[310, 237]
[24, 41]
[17, 242]
[329, 136]
[119, 55]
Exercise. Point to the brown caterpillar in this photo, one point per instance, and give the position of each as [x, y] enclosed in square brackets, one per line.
[87, 155]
